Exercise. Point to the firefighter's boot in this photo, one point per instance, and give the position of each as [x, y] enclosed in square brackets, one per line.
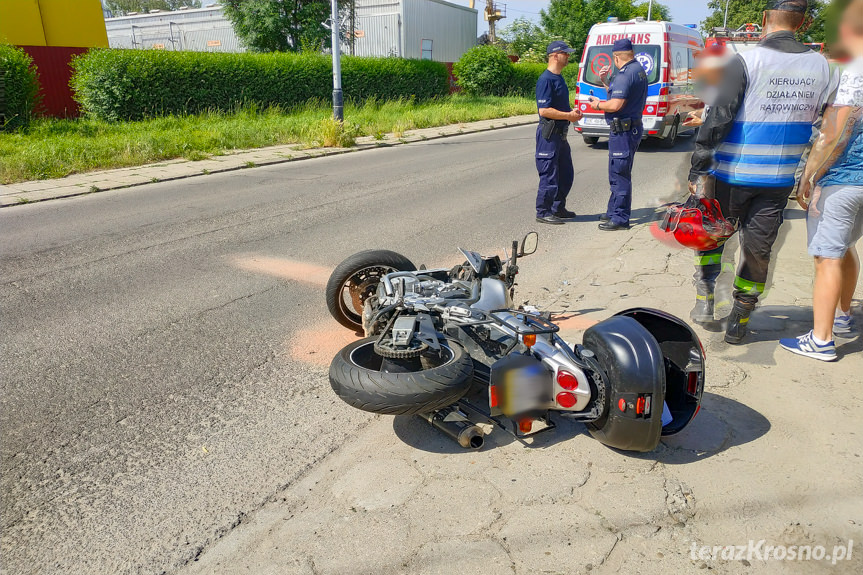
[738, 323]
[704, 299]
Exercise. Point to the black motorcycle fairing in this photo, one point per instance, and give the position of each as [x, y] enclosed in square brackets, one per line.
[634, 380]
[684, 363]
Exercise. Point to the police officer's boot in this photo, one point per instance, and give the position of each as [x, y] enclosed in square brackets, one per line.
[704, 299]
[738, 323]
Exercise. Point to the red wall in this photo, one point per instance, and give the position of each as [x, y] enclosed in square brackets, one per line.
[54, 74]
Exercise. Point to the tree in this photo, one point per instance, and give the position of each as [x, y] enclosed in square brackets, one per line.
[526, 40]
[280, 25]
[123, 7]
[659, 11]
[572, 19]
[742, 12]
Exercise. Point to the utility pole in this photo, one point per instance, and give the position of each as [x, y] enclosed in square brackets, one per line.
[353, 26]
[649, 10]
[492, 14]
[338, 98]
[725, 24]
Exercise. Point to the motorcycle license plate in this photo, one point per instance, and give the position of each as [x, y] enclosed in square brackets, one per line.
[520, 384]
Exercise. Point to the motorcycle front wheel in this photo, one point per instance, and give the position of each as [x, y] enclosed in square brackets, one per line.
[367, 381]
[357, 278]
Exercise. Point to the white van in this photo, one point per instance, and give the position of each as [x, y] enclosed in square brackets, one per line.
[667, 53]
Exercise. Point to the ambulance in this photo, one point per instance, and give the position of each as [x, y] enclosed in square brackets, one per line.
[667, 53]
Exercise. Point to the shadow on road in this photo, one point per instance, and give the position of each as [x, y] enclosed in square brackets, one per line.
[721, 423]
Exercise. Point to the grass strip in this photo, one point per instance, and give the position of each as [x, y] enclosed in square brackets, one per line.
[52, 148]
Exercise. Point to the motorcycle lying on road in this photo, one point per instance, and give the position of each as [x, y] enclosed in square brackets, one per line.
[449, 345]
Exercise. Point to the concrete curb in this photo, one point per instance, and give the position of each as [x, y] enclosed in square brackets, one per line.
[103, 180]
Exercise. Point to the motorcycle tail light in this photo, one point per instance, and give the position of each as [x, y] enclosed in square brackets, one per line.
[492, 396]
[566, 399]
[692, 383]
[566, 380]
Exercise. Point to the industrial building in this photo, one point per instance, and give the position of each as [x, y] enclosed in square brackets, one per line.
[427, 29]
[193, 29]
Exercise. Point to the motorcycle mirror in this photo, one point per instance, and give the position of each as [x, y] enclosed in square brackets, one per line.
[529, 244]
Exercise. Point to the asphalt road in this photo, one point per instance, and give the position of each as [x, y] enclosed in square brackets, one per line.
[164, 348]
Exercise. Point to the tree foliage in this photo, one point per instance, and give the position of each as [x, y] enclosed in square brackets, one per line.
[21, 88]
[280, 25]
[526, 40]
[571, 20]
[484, 71]
[742, 12]
[123, 7]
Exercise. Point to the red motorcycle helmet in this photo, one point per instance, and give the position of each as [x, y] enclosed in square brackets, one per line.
[697, 224]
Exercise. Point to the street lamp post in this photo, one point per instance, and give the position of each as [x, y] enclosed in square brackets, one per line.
[338, 97]
[725, 24]
[649, 10]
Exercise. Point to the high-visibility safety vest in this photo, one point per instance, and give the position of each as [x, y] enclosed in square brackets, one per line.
[784, 96]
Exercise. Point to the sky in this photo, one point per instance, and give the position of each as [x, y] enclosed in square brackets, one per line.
[682, 11]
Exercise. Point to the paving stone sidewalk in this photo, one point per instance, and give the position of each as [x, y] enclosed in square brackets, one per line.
[90, 182]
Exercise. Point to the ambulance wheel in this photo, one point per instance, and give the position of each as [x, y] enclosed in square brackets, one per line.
[591, 140]
[669, 141]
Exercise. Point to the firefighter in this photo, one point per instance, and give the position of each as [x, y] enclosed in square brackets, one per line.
[553, 154]
[747, 152]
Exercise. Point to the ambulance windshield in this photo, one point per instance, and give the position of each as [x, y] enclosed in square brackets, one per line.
[599, 56]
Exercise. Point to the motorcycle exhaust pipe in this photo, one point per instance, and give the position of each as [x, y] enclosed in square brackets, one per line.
[455, 424]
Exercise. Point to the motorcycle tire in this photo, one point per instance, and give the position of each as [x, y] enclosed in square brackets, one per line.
[369, 259]
[356, 378]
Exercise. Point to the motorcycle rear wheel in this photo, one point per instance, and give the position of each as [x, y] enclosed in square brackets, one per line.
[356, 376]
[356, 278]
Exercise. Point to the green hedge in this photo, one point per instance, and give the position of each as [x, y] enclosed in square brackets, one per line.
[20, 93]
[484, 71]
[570, 74]
[135, 84]
[524, 78]
[487, 71]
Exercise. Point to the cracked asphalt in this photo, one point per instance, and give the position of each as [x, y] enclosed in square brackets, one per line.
[166, 409]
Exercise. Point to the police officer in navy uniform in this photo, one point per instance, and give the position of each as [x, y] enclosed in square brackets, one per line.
[553, 154]
[624, 108]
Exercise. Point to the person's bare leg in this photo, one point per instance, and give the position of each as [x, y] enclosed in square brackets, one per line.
[828, 285]
[850, 273]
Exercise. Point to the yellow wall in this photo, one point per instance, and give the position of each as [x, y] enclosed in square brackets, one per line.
[21, 23]
[73, 23]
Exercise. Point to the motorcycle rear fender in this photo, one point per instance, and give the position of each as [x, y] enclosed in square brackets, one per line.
[684, 360]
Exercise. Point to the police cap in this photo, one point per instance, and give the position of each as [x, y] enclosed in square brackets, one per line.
[559, 46]
[622, 45]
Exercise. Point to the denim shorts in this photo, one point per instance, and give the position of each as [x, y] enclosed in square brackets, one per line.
[835, 220]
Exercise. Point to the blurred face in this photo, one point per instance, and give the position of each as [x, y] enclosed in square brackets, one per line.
[849, 39]
[561, 58]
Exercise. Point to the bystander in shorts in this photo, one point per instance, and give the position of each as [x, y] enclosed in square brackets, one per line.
[835, 220]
